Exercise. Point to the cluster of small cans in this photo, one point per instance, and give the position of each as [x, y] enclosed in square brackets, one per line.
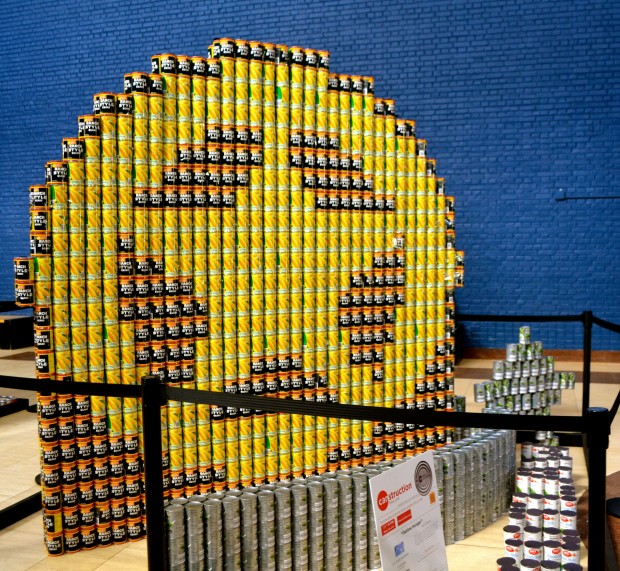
[541, 534]
[525, 382]
[318, 523]
[474, 477]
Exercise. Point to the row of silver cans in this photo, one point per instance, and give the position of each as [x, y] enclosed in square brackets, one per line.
[524, 351]
[474, 478]
[531, 403]
[513, 369]
[489, 390]
[319, 523]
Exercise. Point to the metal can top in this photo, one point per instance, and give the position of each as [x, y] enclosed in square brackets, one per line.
[72, 148]
[156, 84]
[199, 66]
[269, 52]
[136, 82]
[124, 104]
[296, 55]
[323, 59]
[164, 63]
[104, 103]
[184, 65]
[88, 126]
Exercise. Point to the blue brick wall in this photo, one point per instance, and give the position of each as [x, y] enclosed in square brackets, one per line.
[518, 99]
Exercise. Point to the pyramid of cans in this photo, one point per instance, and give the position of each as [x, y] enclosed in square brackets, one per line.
[526, 382]
[542, 522]
[251, 223]
[475, 478]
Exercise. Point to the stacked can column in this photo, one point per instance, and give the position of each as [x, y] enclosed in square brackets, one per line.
[257, 301]
[389, 265]
[421, 295]
[378, 283]
[191, 192]
[368, 202]
[310, 66]
[194, 315]
[322, 266]
[93, 246]
[165, 242]
[333, 261]
[431, 297]
[199, 100]
[277, 87]
[179, 351]
[229, 262]
[214, 267]
[132, 180]
[356, 278]
[125, 261]
[244, 227]
[299, 278]
[82, 449]
[400, 317]
[410, 284]
[344, 303]
[194, 309]
[184, 100]
[126, 315]
[75, 313]
[449, 239]
[59, 477]
[106, 108]
[189, 214]
[162, 110]
[91, 133]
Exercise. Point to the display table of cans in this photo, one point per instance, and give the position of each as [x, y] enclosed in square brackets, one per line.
[542, 523]
[525, 382]
[248, 222]
[326, 523]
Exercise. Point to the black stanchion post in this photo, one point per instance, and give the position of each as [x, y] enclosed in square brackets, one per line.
[153, 397]
[587, 359]
[597, 422]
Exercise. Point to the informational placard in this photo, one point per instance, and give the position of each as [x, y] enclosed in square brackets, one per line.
[405, 502]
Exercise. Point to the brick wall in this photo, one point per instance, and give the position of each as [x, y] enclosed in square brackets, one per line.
[517, 99]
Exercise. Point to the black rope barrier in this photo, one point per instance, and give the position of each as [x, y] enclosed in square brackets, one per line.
[378, 414]
[606, 324]
[69, 387]
[6, 306]
[334, 410]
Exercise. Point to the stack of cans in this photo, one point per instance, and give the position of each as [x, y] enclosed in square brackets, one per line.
[248, 222]
[194, 525]
[526, 382]
[231, 509]
[542, 521]
[331, 509]
[474, 478]
[175, 526]
[214, 533]
[312, 523]
[327, 522]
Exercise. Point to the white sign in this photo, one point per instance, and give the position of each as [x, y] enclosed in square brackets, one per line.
[405, 502]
